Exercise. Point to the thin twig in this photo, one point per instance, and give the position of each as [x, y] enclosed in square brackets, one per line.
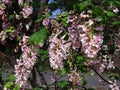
[101, 76]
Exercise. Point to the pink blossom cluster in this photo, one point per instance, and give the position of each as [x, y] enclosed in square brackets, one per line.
[74, 36]
[81, 32]
[73, 31]
[58, 50]
[102, 62]
[6, 1]
[46, 22]
[26, 11]
[20, 2]
[113, 85]
[74, 77]
[91, 44]
[110, 64]
[106, 61]
[114, 9]
[25, 63]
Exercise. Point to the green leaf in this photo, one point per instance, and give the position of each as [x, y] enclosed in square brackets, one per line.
[113, 75]
[44, 52]
[64, 20]
[11, 16]
[40, 19]
[8, 84]
[80, 58]
[84, 4]
[12, 77]
[63, 71]
[97, 11]
[17, 87]
[63, 83]
[110, 14]
[39, 36]
[116, 23]
[10, 30]
[83, 81]
[117, 3]
[43, 17]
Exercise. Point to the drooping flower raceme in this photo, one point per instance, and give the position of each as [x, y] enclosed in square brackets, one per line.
[58, 50]
[91, 45]
[25, 63]
[81, 34]
[91, 42]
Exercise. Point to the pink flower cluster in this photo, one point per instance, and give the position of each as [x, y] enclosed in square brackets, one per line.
[74, 77]
[91, 44]
[20, 2]
[58, 50]
[25, 63]
[106, 61]
[73, 31]
[46, 22]
[74, 36]
[26, 11]
[102, 62]
[113, 85]
[6, 1]
[81, 32]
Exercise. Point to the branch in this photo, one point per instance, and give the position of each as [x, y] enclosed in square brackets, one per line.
[43, 81]
[101, 76]
[33, 81]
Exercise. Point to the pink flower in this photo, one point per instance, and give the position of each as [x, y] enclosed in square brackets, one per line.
[20, 2]
[91, 46]
[1, 12]
[83, 15]
[113, 85]
[116, 10]
[46, 22]
[25, 39]
[5, 1]
[26, 11]
[83, 28]
[100, 28]
[97, 19]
